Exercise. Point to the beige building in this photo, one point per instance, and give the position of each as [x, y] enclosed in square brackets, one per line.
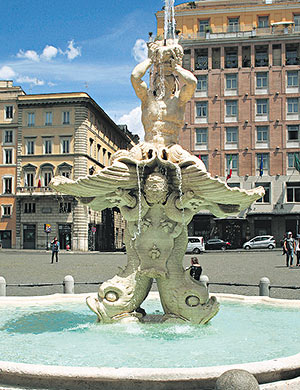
[245, 111]
[63, 134]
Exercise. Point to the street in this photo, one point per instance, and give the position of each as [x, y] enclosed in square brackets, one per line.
[23, 266]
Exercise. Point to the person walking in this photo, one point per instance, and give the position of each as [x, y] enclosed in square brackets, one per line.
[298, 251]
[55, 249]
[195, 268]
[290, 248]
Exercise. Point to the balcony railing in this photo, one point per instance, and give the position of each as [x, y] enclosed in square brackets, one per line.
[34, 190]
[243, 31]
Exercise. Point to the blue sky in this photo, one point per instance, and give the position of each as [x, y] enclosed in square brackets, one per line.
[76, 45]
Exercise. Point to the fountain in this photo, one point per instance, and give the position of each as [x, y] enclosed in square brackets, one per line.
[158, 187]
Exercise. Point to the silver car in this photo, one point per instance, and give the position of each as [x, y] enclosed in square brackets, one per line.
[260, 242]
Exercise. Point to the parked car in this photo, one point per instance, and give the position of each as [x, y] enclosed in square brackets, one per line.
[260, 242]
[195, 245]
[217, 243]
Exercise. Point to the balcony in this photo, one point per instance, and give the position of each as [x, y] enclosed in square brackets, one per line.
[244, 31]
[34, 191]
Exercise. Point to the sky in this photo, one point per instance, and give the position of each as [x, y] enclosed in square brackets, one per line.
[50, 46]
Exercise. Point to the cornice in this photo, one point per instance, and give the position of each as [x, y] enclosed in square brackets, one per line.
[237, 10]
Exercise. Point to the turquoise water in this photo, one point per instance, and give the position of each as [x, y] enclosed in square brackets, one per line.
[67, 334]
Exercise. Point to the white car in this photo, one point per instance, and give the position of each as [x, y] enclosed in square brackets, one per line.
[260, 242]
[195, 245]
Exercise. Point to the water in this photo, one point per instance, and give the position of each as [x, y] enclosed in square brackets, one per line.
[169, 20]
[66, 334]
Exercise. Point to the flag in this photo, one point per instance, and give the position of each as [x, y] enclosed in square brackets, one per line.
[296, 162]
[230, 168]
[261, 165]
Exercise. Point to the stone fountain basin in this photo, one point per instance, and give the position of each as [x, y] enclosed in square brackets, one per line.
[276, 374]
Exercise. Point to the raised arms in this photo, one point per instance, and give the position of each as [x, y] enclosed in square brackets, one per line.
[138, 84]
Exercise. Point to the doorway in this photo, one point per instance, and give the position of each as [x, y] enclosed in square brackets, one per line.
[65, 236]
[28, 236]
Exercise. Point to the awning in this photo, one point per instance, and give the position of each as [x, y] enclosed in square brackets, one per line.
[282, 23]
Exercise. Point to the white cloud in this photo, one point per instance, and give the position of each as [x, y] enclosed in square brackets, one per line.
[133, 122]
[49, 52]
[72, 51]
[30, 80]
[6, 72]
[140, 50]
[29, 54]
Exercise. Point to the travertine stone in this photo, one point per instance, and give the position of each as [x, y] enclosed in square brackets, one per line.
[158, 186]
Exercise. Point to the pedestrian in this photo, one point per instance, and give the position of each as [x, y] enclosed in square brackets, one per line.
[55, 249]
[195, 268]
[298, 251]
[290, 249]
[282, 244]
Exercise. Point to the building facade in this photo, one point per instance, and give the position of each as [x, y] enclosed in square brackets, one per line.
[55, 134]
[70, 135]
[243, 121]
[8, 158]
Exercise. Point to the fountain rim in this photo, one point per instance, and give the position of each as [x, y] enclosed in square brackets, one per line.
[267, 371]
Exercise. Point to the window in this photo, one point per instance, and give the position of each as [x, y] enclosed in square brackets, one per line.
[233, 24]
[7, 184]
[292, 79]
[231, 57]
[30, 118]
[216, 57]
[29, 179]
[261, 80]
[276, 55]
[293, 131]
[91, 146]
[231, 135]
[201, 136]
[47, 178]
[65, 145]
[29, 208]
[261, 106]
[246, 56]
[201, 109]
[48, 119]
[65, 207]
[292, 57]
[203, 24]
[8, 156]
[201, 59]
[262, 133]
[291, 159]
[263, 21]
[8, 136]
[65, 173]
[204, 159]
[264, 158]
[66, 117]
[293, 192]
[202, 83]
[6, 211]
[9, 112]
[297, 22]
[292, 105]
[231, 108]
[98, 152]
[261, 56]
[234, 162]
[266, 197]
[231, 81]
[48, 146]
[30, 146]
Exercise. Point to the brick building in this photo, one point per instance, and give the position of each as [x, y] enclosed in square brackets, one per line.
[245, 111]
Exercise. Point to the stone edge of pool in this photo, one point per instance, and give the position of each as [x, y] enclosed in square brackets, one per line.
[276, 374]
